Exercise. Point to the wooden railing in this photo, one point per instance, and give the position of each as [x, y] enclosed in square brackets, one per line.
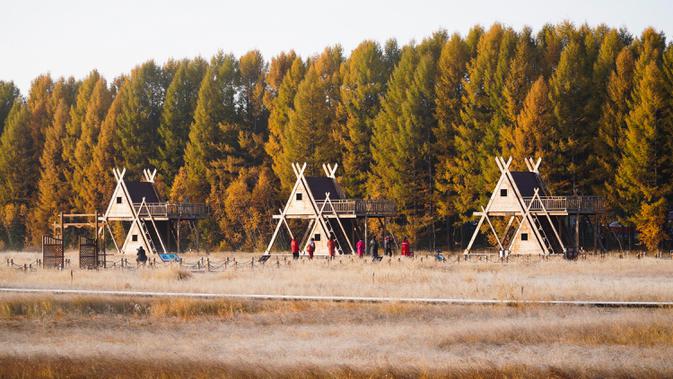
[570, 204]
[362, 207]
[173, 210]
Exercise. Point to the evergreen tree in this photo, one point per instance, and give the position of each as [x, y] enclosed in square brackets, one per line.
[364, 78]
[74, 125]
[612, 127]
[534, 134]
[451, 70]
[252, 111]
[646, 167]
[216, 104]
[391, 55]
[52, 188]
[571, 92]
[401, 143]
[97, 109]
[18, 173]
[141, 100]
[522, 70]
[476, 142]
[41, 110]
[550, 45]
[280, 107]
[8, 93]
[177, 115]
[106, 156]
[311, 134]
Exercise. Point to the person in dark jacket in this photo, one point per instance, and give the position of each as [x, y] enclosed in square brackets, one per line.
[141, 257]
[388, 246]
[374, 248]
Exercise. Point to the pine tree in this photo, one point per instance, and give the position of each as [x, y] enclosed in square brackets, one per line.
[311, 134]
[141, 100]
[215, 105]
[646, 167]
[534, 134]
[106, 156]
[476, 142]
[18, 173]
[522, 70]
[8, 93]
[253, 113]
[612, 127]
[401, 143]
[364, 78]
[280, 107]
[451, 70]
[74, 124]
[52, 188]
[97, 108]
[391, 55]
[177, 115]
[571, 92]
[41, 110]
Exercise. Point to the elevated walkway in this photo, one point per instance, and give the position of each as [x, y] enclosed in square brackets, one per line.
[355, 208]
[558, 206]
[164, 211]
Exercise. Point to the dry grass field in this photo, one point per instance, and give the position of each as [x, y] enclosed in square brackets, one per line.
[74, 336]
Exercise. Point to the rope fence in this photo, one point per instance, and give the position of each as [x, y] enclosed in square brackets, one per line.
[206, 264]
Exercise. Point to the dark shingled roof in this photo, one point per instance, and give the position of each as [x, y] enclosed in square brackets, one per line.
[138, 190]
[318, 185]
[526, 182]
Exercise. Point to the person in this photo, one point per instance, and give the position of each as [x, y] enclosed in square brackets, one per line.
[360, 247]
[330, 247]
[374, 248]
[141, 257]
[406, 249]
[294, 246]
[388, 246]
[310, 248]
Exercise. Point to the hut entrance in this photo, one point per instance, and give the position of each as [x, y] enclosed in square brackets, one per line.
[52, 252]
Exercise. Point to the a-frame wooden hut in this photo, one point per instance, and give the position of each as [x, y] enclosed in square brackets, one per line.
[153, 221]
[321, 201]
[532, 213]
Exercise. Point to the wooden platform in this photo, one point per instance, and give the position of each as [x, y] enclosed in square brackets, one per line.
[168, 211]
[559, 206]
[355, 208]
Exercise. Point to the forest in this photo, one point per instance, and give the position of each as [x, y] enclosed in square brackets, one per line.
[419, 124]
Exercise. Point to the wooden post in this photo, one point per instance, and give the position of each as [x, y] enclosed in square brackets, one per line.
[366, 238]
[178, 237]
[577, 233]
[596, 229]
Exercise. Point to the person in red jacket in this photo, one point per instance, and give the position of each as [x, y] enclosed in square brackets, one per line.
[330, 247]
[294, 246]
[406, 249]
[360, 248]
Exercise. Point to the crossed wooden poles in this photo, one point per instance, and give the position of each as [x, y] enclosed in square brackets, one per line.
[524, 213]
[319, 214]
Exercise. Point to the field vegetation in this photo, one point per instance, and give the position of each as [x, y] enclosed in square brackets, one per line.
[79, 336]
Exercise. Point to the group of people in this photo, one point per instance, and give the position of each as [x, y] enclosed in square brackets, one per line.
[373, 248]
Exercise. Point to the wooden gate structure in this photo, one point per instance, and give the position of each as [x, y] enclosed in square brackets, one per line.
[91, 256]
[52, 252]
